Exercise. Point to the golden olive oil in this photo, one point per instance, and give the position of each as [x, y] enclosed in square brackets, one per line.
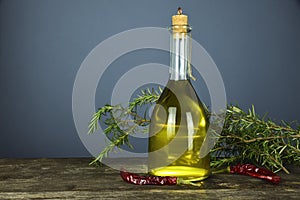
[177, 130]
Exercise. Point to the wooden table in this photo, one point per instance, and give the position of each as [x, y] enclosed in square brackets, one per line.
[73, 178]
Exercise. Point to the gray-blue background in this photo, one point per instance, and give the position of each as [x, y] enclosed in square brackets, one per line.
[255, 43]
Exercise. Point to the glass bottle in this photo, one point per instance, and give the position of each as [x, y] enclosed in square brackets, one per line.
[179, 122]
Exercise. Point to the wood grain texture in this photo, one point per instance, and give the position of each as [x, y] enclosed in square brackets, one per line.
[75, 179]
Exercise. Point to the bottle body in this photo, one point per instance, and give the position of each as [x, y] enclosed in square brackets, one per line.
[177, 130]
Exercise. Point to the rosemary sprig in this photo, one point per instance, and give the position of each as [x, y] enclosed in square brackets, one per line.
[147, 96]
[246, 137]
[93, 125]
[121, 122]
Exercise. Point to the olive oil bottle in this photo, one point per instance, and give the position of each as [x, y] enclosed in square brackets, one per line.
[179, 122]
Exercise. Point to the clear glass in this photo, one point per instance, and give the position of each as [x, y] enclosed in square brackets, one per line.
[179, 122]
[180, 52]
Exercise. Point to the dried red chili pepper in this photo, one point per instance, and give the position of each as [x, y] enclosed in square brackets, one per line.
[252, 170]
[147, 180]
[154, 180]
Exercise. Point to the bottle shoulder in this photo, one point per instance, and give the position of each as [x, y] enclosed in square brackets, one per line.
[181, 95]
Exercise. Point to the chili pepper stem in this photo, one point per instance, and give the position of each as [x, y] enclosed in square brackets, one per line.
[225, 170]
[181, 181]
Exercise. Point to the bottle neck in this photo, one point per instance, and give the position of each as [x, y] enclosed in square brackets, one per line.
[180, 53]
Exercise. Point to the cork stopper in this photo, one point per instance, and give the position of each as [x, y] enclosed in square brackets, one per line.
[180, 22]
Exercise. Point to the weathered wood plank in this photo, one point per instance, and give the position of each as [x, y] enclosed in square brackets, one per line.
[75, 179]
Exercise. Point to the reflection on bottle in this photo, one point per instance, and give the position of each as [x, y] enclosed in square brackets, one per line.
[171, 122]
[190, 128]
